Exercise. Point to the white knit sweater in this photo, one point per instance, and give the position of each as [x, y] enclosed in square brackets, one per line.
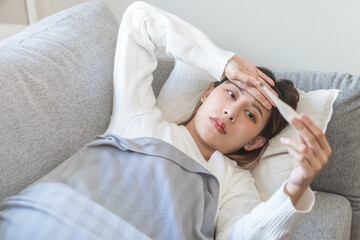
[144, 28]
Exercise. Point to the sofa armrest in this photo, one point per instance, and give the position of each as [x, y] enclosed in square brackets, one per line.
[330, 219]
[56, 91]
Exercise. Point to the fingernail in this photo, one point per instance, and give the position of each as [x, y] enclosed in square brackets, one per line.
[268, 106]
[284, 140]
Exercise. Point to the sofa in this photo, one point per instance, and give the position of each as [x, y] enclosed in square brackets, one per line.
[56, 95]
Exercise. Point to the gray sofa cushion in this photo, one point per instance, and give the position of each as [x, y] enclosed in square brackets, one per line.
[330, 218]
[56, 91]
[341, 174]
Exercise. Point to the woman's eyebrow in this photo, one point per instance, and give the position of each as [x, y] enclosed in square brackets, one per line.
[257, 108]
[253, 104]
[240, 89]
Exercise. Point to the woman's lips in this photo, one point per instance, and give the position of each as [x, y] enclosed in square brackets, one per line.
[219, 125]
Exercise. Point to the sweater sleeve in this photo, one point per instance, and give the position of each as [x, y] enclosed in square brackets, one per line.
[243, 216]
[143, 29]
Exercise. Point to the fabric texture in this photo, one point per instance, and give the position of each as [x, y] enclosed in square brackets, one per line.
[183, 89]
[117, 188]
[329, 219]
[55, 95]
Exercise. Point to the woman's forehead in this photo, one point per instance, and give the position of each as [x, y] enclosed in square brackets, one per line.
[254, 101]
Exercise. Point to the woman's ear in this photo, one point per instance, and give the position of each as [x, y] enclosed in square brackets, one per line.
[255, 143]
[207, 92]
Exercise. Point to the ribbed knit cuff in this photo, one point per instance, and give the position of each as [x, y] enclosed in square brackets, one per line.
[285, 216]
[275, 218]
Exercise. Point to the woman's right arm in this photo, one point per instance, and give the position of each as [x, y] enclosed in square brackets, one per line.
[143, 29]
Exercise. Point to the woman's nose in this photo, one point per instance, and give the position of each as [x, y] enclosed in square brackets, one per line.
[229, 114]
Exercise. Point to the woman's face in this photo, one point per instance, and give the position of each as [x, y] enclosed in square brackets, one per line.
[229, 119]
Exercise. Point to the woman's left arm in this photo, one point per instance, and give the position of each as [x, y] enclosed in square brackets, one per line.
[276, 218]
[242, 215]
[311, 154]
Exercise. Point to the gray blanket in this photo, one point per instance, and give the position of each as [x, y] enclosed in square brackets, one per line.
[116, 188]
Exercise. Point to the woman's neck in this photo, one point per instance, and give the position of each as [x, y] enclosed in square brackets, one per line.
[204, 149]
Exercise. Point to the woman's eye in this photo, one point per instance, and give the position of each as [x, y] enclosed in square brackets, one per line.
[251, 116]
[231, 94]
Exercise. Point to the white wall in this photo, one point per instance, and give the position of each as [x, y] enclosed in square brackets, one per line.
[13, 12]
[47, 7]
[314, 35]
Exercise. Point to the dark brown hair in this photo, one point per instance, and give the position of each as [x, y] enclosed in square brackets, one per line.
[276, 123]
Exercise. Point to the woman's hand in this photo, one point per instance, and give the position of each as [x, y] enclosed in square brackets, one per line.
[247, 77]
[311, 154]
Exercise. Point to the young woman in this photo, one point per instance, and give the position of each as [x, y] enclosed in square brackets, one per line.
[86, 196]
[231, 119]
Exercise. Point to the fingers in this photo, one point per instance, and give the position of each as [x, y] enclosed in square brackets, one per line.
[265, 80]
[263, 92]
[318, 134]
[307, 136]
[310, 163]
[246, 82]
[307, 170]
[268, 103]
[245, 72]
[312, 151]
[265, 77]
[245, 78]
[312, 136]
[262, 77]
